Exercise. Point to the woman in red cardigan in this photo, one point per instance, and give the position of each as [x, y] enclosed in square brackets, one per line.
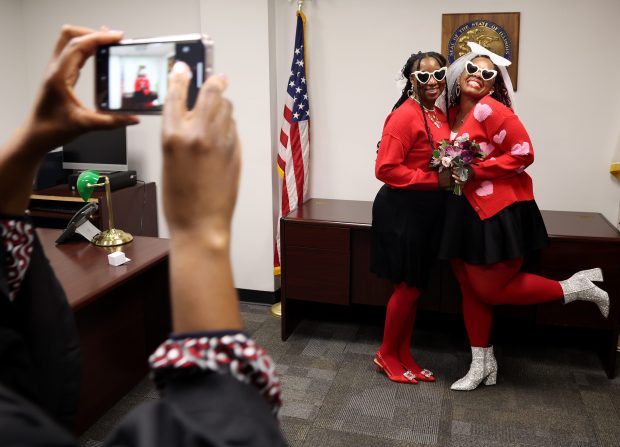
[408, 209]
[496, 222]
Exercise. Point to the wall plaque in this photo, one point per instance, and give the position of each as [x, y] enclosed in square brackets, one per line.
[496, 31]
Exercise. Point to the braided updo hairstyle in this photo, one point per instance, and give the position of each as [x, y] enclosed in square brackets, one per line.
[413, 64]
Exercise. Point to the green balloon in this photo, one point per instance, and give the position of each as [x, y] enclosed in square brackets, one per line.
[83, 180]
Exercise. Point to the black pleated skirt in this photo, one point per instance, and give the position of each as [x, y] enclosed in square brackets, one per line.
[514, 232]
[406, 233]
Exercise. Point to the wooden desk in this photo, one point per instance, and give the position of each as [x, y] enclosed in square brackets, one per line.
[326, 257]
[122, 314]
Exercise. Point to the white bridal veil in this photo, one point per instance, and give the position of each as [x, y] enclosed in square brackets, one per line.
[456, 69]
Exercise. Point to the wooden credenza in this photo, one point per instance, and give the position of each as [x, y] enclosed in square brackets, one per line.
[326, 257]
[122, 314]
[135, 208]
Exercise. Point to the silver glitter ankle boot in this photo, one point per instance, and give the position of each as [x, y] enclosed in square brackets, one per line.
[580, 287]
[595, 274]
[490, 367]
[477, 371]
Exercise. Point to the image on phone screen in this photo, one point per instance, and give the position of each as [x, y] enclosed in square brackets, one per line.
[133, 77]
[138, 75]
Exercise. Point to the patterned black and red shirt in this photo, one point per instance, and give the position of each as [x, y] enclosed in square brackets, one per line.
[17, 235]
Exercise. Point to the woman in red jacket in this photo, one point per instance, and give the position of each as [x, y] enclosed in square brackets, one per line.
[408, 209]
[496, 222]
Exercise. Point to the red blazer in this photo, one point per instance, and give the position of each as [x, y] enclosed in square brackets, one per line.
[142, 84]
[404, 152]
[499, 180]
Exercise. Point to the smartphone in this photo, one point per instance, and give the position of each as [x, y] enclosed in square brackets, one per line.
[132, 75]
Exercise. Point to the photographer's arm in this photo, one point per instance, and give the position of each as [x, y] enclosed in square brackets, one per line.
[57, 116]
[219, 386]
[200, 181]
[41, 364]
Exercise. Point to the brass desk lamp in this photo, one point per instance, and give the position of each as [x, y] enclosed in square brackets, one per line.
[86, 184]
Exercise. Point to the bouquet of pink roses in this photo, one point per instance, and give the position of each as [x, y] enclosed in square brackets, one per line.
[458, 154]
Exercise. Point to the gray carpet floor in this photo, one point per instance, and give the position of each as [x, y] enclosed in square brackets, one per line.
[549, 393]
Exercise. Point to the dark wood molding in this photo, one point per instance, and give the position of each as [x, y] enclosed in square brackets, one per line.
[258, 296]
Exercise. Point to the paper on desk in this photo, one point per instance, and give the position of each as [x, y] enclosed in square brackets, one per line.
[88, 230]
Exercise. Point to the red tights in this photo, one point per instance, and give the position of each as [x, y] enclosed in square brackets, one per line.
[485, 286]
[399, 321]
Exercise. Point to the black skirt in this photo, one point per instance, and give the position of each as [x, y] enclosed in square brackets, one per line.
[406, 231]
[514, 232]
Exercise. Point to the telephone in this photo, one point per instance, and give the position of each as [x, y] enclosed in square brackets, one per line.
[78, 219]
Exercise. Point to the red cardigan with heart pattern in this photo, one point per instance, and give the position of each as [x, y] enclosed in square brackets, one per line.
[500, 179]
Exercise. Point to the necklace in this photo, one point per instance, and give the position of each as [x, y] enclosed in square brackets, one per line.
[459, 122]
[431, 113]
[433, 117]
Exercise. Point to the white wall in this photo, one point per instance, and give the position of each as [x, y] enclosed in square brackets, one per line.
[241, 33]
[137, 18]
[13, 106]
[355, 48]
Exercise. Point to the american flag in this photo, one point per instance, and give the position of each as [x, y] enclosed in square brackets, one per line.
[294, 149]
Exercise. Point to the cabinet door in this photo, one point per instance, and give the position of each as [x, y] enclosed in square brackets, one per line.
[316, 264]
[366, 287]
[563, 258]
[135, 210]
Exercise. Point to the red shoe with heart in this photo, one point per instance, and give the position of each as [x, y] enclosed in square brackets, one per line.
[406, 377]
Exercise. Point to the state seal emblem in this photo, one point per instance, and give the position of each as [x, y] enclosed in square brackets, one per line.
[483, 32]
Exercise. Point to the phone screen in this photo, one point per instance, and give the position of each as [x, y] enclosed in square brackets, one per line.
[134, 77]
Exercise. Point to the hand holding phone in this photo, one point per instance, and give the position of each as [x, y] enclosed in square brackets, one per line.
[201, 159]
[132, 76]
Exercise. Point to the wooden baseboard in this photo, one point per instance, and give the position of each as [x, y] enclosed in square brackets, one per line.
[258, 296]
